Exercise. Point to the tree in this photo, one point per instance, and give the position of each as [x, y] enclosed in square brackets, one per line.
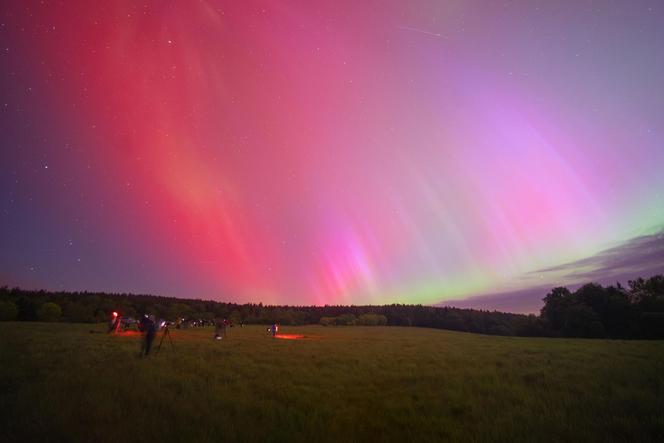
[27, 308]
[49, 311]
[8, 311]
[641, 289]
[346, 320]
[372, 320]
[179, 310]
[618, 314]
[500, 330]
[235, 317]
[592, 311]
[556, 304]
[285, 317]
[582, 321]
[77, 313]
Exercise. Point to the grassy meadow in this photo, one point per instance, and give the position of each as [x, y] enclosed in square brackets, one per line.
[73, 382]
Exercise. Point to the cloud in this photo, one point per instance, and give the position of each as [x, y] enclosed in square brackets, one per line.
[523, 301]
[634, 258]
[638, 257]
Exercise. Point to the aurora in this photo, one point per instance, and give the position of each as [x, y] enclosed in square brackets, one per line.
[328, 152]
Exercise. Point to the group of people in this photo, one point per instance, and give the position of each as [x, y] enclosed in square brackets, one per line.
[148, 326]
[222, 325]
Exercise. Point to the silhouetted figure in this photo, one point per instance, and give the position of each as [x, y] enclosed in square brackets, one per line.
[114, 324]
[220, 328]
[149, 328]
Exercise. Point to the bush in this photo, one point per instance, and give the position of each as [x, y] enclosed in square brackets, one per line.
[500, 330]
[372, 320]
[8, 311]
[346, 320]
[582, 321]
[49, 312]
[78, 313]
[351, 320]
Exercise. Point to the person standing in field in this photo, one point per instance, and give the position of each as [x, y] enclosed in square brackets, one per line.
[143, 328]
[149, 328]
[217, 329]
[114, 324]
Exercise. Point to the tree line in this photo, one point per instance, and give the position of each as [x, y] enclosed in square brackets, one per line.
[595, 311]
[591, 311]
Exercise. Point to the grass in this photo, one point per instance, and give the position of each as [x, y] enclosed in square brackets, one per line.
[60, 382]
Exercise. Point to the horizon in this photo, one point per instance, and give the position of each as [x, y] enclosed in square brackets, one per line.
[339, 154]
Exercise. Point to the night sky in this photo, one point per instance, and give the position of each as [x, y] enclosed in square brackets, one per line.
[331, 152]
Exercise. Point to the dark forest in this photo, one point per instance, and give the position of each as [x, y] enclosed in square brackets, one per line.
[591, 311]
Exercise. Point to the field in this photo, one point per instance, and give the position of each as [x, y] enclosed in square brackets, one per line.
[72, 382]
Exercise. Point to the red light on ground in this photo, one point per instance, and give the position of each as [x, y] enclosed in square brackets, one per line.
[115, 314]
[289, 336]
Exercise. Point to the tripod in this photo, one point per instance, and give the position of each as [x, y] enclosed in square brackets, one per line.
[166, 333]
